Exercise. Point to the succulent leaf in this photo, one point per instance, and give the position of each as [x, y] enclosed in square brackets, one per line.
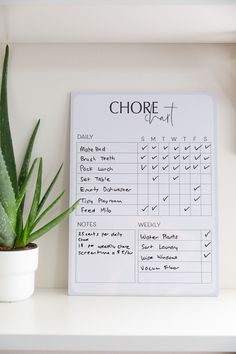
[41, 216]
[7, 196]
[12, 189]
[26, 161]
[5, 132]
[22, 176]
[7, 234]
[24, 186]
[44, 198]
[52, 223]
[35, 202]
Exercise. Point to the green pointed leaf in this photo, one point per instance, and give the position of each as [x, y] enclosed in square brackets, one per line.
[43, 200]
[19, 222]
[52, 223]
[35, 203]
[5, 132]
[7, 235]
[24, 186]
[22, 176]
[25, 165]
[37, 193]
[7, 196]
[46, 211]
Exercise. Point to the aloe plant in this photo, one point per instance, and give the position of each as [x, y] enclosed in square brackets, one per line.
[17, 229]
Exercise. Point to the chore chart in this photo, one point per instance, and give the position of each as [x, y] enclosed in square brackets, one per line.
[144, 169]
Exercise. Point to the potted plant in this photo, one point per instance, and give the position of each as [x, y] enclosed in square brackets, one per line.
[18, 231]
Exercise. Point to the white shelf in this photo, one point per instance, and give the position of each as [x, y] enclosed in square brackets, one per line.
[118, 21]
[51, 320]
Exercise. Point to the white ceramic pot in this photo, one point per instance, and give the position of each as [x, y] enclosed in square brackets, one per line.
[17, 273]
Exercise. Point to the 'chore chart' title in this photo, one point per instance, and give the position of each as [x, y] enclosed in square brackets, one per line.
[152, 111]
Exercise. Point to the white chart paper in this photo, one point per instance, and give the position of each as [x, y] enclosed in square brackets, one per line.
[144, 169]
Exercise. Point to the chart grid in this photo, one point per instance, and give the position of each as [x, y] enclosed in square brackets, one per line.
[175, 256]
[144, 178]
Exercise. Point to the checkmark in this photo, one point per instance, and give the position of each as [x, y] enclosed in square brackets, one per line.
[143, 209]
[165, 198]
[143, 167]
[196, 199]
[175, 157]
[207, 233]
[195, 166]
[144, 147]
[206, 167]
[175, 178]
[175, 167]
[143, 157]
[206, 255]
[176, 148]
[154, 167]
[197, 157]
[154, 147]
[165, 167]
[186, 148]
[164, 157]
[206, 158]
[154, 157]
[186, 209]
[154, 178]
[197, 148]
[185, 157]
[207, 244]
[153, 208]
[196, 188]
[187, 167]
[207, 146]
[165, 147]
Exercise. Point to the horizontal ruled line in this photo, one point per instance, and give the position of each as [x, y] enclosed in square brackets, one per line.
[161, 240]
[142, 204]
[172, 272]
[143, 183]
[149, 163]
[170, 261]
[141, 173]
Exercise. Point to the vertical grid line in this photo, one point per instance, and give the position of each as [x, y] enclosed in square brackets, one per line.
[180, 163]
[158, 185]
[169, 176]
[201, 183]
[179, 181]
[211, 161]
[148, 165]
[76, 169]
[136, 260]
[201, 253]
[137, 181]
[190, 176]
[212, 250]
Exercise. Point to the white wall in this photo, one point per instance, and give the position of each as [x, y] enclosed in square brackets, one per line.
[41, 78]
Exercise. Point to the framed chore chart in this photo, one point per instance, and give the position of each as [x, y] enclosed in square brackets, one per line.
[144, 169]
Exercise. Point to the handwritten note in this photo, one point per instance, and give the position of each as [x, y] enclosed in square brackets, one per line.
[144, 169]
